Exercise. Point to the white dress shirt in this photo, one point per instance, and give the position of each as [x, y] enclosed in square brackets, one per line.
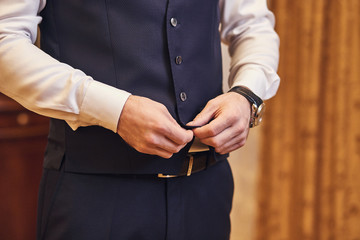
[51, 88]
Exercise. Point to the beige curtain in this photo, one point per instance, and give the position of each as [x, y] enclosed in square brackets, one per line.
[309, 186]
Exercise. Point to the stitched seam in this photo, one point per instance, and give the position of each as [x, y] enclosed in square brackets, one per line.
[111, 43]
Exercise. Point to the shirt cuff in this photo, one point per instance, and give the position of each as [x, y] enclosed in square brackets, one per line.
[103, 105]
[257, 81]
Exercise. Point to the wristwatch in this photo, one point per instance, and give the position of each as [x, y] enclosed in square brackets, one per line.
[257, 106]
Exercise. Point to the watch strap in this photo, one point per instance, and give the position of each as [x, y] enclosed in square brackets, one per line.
[256, 104]
[248, 94]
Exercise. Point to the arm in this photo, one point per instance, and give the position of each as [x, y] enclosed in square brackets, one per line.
[44, 85]
[247, 28]
[51, 88]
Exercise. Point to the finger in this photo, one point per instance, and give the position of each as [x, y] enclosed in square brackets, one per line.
[159, 145]
[233, 144]
[160, 152]
[204, 116]
[231, 148]
[169, 146]
[144, 124]
[166, 148]
[220, 139]
[223, 141]
[172, 130]
[212, 129]
[153, 150]
[179, 135]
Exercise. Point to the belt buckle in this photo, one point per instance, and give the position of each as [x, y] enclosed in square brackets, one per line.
[188, 173]
[160, 175]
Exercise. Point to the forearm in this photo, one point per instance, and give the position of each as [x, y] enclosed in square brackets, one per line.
[43, 84]
[248, 30]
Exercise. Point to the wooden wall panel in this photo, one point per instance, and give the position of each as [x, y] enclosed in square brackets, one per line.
[309, 182]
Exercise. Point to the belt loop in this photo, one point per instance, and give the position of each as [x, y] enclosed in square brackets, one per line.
[191, 162]
[210, 157]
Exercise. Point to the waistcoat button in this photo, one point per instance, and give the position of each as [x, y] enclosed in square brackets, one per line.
[183, 96]
[173, 22]
[178, 60]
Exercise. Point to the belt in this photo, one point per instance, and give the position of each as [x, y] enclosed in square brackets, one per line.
[194, 162]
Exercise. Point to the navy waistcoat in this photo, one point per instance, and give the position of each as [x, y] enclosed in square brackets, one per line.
[166, 50]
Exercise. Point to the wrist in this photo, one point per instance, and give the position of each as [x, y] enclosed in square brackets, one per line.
[257, 106]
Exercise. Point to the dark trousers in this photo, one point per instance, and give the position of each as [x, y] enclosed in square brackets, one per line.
[123, 207]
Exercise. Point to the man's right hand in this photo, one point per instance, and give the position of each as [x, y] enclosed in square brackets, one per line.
[148, 127]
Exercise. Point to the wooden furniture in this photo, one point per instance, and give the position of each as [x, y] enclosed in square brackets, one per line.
[22, 142]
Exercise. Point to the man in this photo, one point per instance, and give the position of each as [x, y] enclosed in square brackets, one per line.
[140, 128]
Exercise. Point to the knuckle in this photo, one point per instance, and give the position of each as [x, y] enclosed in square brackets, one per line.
[141, 148]
[211, 104]
[185, 140]
[223, 152]
[212, 131]
[238, 130]
[151, 139]
[162, 107]
[156, 126]
[241, 143]
[180, 141]
[244, 124]
[232, 118]
[178, 149]
[167, 155]
[241, 127]
[215, 143]
[220, 150]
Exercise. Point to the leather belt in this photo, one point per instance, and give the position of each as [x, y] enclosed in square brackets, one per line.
[194, 162]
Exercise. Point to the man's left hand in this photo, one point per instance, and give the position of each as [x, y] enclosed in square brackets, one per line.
[224, 122]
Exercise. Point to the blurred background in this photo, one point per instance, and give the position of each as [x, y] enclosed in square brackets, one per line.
[306, 178]
[298, 177]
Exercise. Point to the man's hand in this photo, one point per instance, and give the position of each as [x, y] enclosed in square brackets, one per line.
[225, 122]
[148, 127]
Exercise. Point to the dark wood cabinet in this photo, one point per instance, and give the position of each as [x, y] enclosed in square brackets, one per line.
[22, 143]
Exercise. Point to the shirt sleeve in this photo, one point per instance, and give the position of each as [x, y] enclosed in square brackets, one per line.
[247, 27]
[45, 85]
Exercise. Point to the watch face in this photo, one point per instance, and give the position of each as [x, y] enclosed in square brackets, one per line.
[259, 114]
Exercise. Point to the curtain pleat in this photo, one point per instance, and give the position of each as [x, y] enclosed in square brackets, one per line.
[309, 180]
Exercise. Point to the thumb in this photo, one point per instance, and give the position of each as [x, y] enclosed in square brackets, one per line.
[189, 135]
[205, 116]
